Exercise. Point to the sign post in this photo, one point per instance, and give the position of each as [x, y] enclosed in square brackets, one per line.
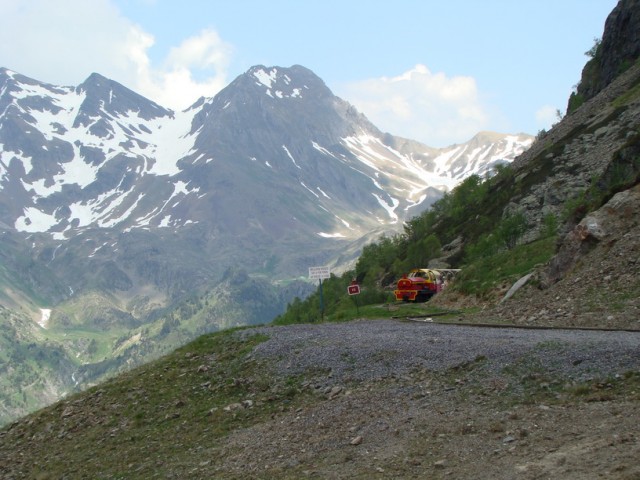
[320, 273]
[354, 291]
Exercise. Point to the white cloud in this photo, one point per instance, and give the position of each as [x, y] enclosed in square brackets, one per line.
[64, 42]
[60, 42]
[175, 85]
[546, 116]
[430, 107]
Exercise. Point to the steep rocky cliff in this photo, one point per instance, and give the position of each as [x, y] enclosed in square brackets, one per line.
[617, 51]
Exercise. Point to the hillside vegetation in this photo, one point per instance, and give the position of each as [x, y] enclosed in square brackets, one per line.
[479, 236]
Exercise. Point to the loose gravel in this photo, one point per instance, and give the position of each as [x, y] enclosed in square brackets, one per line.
[376, 349]
[414, 400]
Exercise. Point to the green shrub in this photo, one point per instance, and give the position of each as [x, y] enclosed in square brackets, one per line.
[549, 226]
[511, 229]
[484, 273]
[576, 100]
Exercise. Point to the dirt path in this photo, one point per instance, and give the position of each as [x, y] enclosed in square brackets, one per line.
[482, 403]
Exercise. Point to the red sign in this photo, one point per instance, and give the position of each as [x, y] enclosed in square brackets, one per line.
[353, 289]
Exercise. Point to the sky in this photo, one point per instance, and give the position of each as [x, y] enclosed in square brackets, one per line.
[436, 71]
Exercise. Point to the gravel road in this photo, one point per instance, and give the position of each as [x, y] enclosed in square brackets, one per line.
[384, 410]
[369, 350]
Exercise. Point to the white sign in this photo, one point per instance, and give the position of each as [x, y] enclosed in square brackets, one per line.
[318, 273]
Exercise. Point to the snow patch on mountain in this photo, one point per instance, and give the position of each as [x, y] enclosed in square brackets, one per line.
[35, 220]
[284, 147]
[112, 222]
[322, 150]
[169, 140]
[45, 315]
[331, 235]
[278, 84]
[461, 161]
[5, 158]
[310, 190]
[162, 141]
[266, 78]
[101, 156]
[373, 153]
[391, 209]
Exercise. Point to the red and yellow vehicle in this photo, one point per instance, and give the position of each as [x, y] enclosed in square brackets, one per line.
[420, 284]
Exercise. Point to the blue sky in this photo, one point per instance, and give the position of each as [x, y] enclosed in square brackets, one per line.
[434, 71]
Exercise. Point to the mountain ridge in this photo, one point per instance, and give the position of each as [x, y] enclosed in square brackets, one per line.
[118, 99]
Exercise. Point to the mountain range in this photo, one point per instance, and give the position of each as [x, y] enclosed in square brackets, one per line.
[131, 227]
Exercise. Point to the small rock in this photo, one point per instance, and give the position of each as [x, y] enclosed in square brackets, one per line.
[335, 391]
[232, 406]
[440, 464]
[357, 440]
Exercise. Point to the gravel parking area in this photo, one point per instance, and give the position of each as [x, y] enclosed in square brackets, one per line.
[370, 350]
[398, 399]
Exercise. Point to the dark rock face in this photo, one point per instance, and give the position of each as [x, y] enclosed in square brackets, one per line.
[619, 49]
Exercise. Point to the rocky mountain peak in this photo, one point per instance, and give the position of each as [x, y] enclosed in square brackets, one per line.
[105, 96]
[295, 82]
